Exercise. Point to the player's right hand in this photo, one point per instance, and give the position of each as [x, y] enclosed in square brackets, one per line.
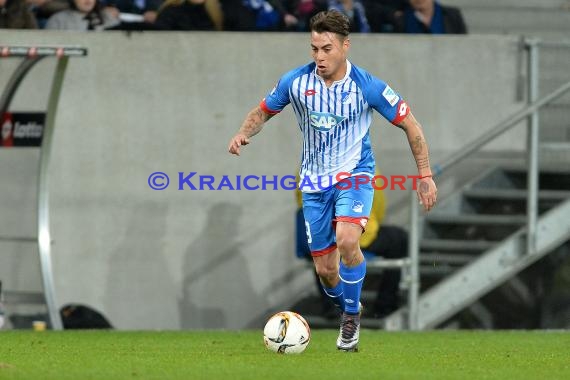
[427, 193]
[236, 142]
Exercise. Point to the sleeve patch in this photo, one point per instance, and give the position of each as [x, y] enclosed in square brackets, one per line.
[390, 96]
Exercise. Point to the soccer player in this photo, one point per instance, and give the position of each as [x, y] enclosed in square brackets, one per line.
[333, 101]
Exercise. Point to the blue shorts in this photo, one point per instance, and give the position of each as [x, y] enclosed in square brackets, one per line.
[338, 203]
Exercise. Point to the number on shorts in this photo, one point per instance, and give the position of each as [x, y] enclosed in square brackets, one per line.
[308, 229]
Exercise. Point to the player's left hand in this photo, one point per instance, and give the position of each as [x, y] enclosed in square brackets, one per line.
[427, 193]
[236, 142]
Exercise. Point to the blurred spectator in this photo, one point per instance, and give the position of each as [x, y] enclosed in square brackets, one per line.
[303, 10]
[428, 16]
[14, 14]
[237, 16]
[82, 15]
[44, 9]
[286, 19]
[190, 15]
[384, 15]
[268, 15]
[355, 11]
[147, 9]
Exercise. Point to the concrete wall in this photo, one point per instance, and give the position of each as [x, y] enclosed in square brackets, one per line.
[170, 102]
[548, 20]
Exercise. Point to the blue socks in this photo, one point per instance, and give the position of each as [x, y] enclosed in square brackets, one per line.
[346, 294]
[351, 280]
[335, 295]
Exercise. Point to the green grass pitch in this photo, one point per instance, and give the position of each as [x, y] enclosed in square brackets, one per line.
[237, 355]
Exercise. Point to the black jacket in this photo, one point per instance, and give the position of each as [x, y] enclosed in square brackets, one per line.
[184, 17]
[452, 20]
[16, 15]
[130, 6]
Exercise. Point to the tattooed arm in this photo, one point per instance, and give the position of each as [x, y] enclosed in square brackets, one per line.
[427, 191]
[251, 126]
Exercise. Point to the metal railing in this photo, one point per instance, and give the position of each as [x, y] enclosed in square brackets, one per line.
[31, 56]
[529, 112]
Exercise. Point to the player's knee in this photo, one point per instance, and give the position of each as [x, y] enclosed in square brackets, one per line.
[348, 243]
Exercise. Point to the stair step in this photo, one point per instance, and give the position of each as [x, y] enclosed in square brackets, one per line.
[555, 152]
[557, 145]
[509, 20]
[515, 194]
[456, 245]
[445, 258]
[544, 170]
[465, 4]
[20, 239]
[543, 35]
[548, 179]
[435, 272]
[475, 219]
[28, 298]
[554, 176]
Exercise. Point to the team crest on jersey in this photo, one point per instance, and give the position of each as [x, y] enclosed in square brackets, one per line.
[324, 121]
[345, 97]
[390, 96]
[357, 206]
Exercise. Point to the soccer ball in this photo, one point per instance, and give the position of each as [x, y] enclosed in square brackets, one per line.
[286, 333]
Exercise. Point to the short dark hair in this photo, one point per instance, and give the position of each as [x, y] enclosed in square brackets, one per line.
[330, 21]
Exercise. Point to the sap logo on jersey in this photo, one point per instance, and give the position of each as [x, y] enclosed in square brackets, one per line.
[323, 121]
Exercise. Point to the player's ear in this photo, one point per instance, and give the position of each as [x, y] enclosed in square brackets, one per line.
[346, 43]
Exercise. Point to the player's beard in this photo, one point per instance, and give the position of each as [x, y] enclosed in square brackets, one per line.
[322, 73]
[328, 72]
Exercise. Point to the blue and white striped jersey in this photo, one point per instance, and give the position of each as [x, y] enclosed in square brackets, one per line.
[335, 121]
